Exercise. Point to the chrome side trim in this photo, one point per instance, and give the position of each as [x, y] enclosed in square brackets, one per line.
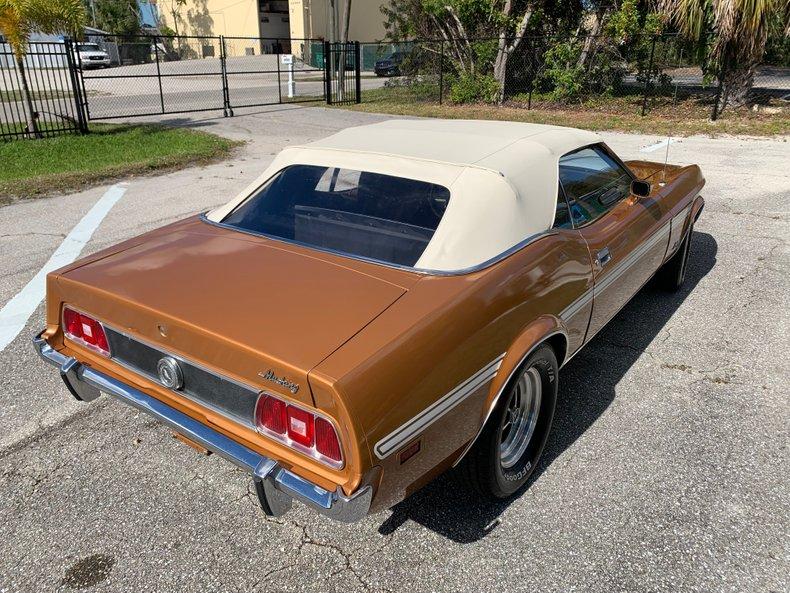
[277, 480]
[411, 428]
[577, 305]
[622, 267]
[425, 271]
[502, 389]
[632, 258]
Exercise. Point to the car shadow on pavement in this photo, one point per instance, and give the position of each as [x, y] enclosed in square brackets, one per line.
[451, 510]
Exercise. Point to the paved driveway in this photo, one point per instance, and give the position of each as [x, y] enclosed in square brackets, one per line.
[666, 470]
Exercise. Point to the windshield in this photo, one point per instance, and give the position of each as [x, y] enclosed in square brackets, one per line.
[88, 47]
[382, 217]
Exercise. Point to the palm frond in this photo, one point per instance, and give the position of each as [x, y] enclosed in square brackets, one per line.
[19, 18]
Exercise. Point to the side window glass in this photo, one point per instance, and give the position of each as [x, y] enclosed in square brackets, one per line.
[562, 219]
[594, 182]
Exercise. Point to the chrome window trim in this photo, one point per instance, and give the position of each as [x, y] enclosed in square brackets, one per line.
[417, 424]
[424, 271]
[611, 154]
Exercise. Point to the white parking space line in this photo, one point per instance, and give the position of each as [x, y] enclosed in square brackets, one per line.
[664, 143]
[16, 312]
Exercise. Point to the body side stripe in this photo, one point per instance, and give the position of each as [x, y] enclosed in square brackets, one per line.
[431, 414]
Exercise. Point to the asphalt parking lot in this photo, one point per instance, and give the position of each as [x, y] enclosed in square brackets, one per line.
[666, 469]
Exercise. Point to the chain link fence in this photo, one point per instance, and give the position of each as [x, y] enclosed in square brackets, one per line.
[643, 75]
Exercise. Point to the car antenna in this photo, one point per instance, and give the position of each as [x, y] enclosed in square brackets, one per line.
[663, 181]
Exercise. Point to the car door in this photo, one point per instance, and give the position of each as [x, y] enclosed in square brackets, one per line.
[621, 230]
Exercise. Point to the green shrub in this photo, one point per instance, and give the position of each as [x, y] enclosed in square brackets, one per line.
[564, 79]
[473, 88]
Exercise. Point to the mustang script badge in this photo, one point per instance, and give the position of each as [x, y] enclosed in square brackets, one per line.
[270, 376]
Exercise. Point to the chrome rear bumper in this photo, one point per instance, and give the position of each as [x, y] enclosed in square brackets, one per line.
[276, 486]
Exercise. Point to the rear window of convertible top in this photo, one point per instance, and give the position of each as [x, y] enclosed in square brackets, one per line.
[381, 217]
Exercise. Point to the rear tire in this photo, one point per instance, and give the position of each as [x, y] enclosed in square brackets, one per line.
[507, 451]
[673, 273]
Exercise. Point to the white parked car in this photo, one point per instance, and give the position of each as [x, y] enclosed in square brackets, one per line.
[90, 55]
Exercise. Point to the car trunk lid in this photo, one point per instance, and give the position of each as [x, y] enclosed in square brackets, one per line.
[256, 310]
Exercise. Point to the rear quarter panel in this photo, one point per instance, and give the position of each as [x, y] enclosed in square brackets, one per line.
[443, 331]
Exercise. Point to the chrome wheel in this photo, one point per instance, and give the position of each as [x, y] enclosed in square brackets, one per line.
[521, 417]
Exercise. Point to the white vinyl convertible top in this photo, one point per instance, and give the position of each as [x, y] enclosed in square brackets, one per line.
[502, 177]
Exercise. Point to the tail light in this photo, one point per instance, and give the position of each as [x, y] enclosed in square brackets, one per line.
[85, 330]
[299, 428]
[326, 442]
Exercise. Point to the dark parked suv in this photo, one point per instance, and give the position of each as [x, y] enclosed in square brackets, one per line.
[389, 66]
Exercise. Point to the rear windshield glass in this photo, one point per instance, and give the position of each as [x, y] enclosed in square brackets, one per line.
[390, 219]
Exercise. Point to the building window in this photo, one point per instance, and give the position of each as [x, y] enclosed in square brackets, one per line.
[277, 6]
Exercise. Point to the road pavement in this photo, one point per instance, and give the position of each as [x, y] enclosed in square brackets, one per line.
[666, 469]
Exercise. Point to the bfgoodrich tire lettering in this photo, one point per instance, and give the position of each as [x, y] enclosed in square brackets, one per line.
[499, 463]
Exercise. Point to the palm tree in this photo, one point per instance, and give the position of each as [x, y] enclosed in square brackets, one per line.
[20, 18]
[734, 33]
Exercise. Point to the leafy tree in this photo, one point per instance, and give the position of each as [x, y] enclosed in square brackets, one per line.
[733, 34]
[479, 35]
[174, 10]
[120, 17]
[20, 18]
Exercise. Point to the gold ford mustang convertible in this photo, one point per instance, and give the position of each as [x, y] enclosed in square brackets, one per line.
[378, 306]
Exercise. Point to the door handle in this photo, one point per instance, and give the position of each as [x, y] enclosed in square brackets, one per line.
[603, 256]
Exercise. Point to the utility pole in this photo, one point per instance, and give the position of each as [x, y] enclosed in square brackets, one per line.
[332, 21]
[93, 12]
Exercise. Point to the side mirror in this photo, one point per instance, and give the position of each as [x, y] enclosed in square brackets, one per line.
[640, 188]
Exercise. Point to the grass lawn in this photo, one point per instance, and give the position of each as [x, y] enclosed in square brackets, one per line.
[621, 114]
[33, 168]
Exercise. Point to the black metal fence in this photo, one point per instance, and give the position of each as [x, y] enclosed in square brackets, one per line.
[154, 75]
[342, 73]
[122, 77]
[641, 74]
[42, 95]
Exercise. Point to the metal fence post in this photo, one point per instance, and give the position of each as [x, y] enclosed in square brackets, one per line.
[327, 72]
[279, 84]
[441, 71]
[649, 72]
[159, 73]
[358, 73]
[76, 87]
[227, 108]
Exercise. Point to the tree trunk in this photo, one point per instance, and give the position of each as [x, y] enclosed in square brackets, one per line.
[591, 38]
[30, 112]
[504, 50]
[344, 41]
[500, 68]
[737, 87]
[346, 21]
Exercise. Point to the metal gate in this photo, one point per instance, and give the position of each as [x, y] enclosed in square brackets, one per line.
[42, 96]
[156, 75]
[341, 73]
